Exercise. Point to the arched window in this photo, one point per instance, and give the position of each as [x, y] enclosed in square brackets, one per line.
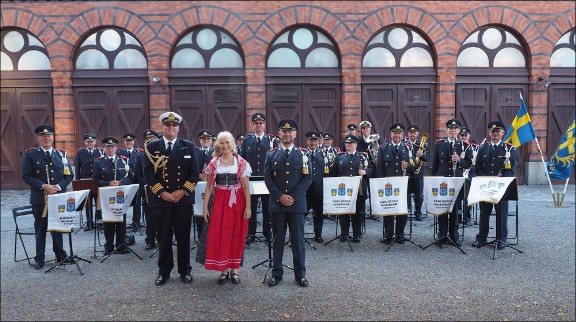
[110, 48]
[492, 47]
[22, 51]
[397, 47]
[564, 54]
[207, 47]
[302, 47]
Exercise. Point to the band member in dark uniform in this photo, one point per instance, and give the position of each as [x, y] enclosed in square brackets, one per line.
[253, 150]
[464, 135]
[84, 164]
[363, 139]
[328, 146]
[151, 230]
[130, 152]
[171, 170]
[349, 164]
[416, 182]
[495, 158]
[239, 140]
[393, 160]
[47, 171]
[314, 194]
[351, 131]
[204, 154]
[113, 170]
[287, 179]
[451, 156]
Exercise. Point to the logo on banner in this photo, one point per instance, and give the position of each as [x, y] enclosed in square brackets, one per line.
[333, 192]
[112, 200]
[451, 191]
[120, 197]
[434, 191]
[71, 205]
[492, 183]
[61, 208]
[500, 185]
[349, 192]
[380, 193]
[388, 189]
[396, 191]
[341, 189]
[443, 189]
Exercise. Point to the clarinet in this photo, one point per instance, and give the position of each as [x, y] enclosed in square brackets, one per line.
[45, 211]
[454, 163]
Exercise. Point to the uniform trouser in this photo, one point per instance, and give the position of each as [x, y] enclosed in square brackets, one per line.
[254, 218]
[137, 209]
[111, 228]
[90, 211]
[501, 219]
[151, 225]
[40, 228]
[417, 189]
[173, 221]
[389, 225]
[295, 223]
[199, 223]
[356, 219]
[449, 222]
[466, 210]
[316, 204]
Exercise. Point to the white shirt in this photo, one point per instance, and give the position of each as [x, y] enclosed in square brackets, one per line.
[166, 142]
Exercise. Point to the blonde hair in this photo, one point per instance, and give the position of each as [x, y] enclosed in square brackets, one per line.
[224, 135]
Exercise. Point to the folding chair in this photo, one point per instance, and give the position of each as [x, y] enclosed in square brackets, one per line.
[28, 230]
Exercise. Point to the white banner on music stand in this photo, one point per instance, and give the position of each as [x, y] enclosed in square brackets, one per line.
[62, 209]
[440, 193]
[340, 195]
[258, 188]
[389, 196]
[488, 189]
[199, 198]
[115, 201]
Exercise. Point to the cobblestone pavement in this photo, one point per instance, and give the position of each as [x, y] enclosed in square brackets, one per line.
[405, 283]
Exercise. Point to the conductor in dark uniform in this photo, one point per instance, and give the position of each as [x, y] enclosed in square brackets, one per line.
[420, 155]
[130, 152]
[351, 163]
[113, 170]
[47, 171]
[287, 179]
[171, 170]
[84, 165]
[393, 160]
[495, 158]
[451, 157]
[314, 195]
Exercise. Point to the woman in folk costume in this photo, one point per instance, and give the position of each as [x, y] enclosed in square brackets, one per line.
[228, 179]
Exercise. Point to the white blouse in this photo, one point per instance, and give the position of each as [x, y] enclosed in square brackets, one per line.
[233, 168]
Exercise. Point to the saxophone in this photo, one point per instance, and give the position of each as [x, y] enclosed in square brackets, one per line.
[419, 161]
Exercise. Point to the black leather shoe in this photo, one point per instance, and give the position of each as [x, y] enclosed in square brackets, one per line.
[386, 240]
[419, 217]
[222, 279]
[399, 240]
[88, 228]
[161, 280]
[500, 245]
[150, 246]
[186, 278]
[235, 278]
[342, 238]
[274, 280]
[319, 239]
[38, 266]
[456, 243]
[356, 240]
[478, 244]
[302, 281]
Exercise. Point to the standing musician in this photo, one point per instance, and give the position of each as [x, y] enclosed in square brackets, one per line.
[84, 164]
[315, 192]
[420, 153]
[47, 171]
[130, 152]
[394, 161]
[287, 178]
[364, 139]
[495, 158]
[239, 140]
[349, 164]
[351, 131]
[171, 170]
[204, 154]
[253, 150]
[113, 170]
[451, 157]
[328, 146]
[464, 134]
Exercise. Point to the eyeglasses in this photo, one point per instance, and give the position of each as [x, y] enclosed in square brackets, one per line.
[171, 124]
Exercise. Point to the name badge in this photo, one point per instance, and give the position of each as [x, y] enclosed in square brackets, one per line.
[187, 157]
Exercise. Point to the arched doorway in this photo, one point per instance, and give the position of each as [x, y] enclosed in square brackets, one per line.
[26, 100]
[303, 82]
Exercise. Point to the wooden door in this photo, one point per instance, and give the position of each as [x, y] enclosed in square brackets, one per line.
[561, 110]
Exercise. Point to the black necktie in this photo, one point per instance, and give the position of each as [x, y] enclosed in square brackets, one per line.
[258, 140]
[169, 150]
[287, 152]
[129, 154]
[395, 149]
[90, 154]
[48, 154]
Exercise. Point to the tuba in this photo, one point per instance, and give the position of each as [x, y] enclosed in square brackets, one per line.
[419, 162]
[373, 146]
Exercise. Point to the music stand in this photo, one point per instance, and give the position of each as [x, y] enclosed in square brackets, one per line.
[338, 236]
[122, 244]
[86, 184]
[258, 181]
[71, 258]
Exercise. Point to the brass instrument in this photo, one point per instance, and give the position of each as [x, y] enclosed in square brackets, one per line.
[373, 146]
[419, 161]
[329, 158]
[361, 166]
[467, 171]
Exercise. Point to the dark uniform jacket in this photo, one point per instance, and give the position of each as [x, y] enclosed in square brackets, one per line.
[34, 172]
[363, 146]
[414, 148]
[347, 165]
[204, 156]
[255, 153]
[389, 162]
[105, 170]
[132, 156]
[441, 160]
[490, 162]
[283, 175]
[181, 172]
[317, 172]
[84, 162]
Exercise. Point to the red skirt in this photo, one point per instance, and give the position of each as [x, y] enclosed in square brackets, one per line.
[227, 232]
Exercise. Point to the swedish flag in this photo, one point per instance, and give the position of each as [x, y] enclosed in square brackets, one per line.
[560, 166]
[521, 129]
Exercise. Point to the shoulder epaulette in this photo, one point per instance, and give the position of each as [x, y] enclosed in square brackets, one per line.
[485, 143]
[508, 143]
[465, 143]
[341, 152]
[196, 148]
[473, 144]
[272, 149]
[439, 140]
[364, 153]
[247, 135]
[139, 150]
[80, 149]
[62, 150]
[123, 157]
[271, 135]
[30, 149]
[102, 157]
[303, 149]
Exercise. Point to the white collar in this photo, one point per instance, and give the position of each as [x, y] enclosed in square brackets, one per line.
[289, 148]
[166, 141]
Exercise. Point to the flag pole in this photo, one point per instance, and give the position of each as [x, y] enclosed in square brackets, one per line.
[543, 162]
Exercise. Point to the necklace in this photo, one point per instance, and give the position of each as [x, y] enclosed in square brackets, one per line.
[222, 160]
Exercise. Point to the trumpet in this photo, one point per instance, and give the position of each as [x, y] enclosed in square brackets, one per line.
[419, 161]
[373, 146]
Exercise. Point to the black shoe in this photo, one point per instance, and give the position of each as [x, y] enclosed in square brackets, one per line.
[121, 251]
[274, 280]
[186, 278]
[439, 243]
[302, 281]
[107, 252]
[235, 278]
[478, 243]
[150, 246]
[250, 239]
[135, 228]
[399, 239]
[342, 238]
[319, 239]
[356, 240]
[38, 266]
[161, 280]
[386, 240]
[456, 243]
[500, 245]
[419, 217]
[222, 279]
[88, 228]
